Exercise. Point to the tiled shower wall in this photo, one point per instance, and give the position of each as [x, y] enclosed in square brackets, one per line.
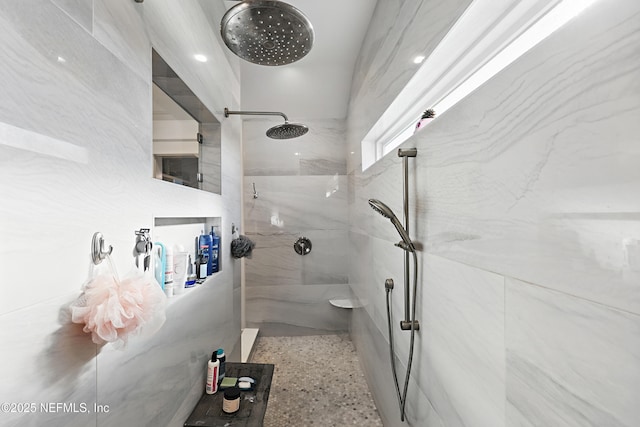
[75, 158]
[524, 200]
[301, 190]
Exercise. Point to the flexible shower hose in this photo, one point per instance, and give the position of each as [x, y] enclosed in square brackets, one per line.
[402, 398]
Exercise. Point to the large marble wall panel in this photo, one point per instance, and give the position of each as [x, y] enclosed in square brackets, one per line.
[75, 146]
[460, 360]
[80, 11]
[279, 310]
[293, 204]
[275, 262]
[360, 273]
[570, 362]
[42, 350]
[119, 26]
[530, 176]
[320, 152]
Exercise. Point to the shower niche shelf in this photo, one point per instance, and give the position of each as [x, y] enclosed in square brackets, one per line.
[185, 231]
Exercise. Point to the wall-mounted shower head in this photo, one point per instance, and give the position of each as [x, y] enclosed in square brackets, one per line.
[386, 212]
[267, 32]
[287, 131]
[284, 131]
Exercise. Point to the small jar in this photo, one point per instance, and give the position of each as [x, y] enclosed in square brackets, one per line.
[231, 401]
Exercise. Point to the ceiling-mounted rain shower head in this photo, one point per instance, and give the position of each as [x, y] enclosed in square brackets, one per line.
[284, 131]
[386, 212]
[267, 32]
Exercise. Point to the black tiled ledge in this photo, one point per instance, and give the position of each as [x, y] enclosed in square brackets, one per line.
[253, 403]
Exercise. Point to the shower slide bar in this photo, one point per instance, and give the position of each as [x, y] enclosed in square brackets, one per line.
[405, 153]
[409, 322]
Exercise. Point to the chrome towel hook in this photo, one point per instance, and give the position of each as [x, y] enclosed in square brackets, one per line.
[97, 248]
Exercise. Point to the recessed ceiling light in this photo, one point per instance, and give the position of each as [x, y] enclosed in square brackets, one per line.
[418, 59]
[200, 58]
[61, 59]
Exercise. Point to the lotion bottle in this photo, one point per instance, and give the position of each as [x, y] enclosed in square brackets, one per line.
[212, 374]
[168, 271]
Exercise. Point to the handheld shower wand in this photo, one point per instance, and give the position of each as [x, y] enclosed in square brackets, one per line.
[386, 212]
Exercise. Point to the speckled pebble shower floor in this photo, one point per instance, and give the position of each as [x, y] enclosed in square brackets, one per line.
[317, 381]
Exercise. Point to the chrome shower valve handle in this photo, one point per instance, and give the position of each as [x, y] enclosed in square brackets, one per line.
[302, 246]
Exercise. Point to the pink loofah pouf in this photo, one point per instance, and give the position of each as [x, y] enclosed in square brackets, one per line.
[113, 309]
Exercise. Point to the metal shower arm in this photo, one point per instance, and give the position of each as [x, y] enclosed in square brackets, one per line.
[256, 113]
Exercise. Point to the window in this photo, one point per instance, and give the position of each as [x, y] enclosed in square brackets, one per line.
[468, 56]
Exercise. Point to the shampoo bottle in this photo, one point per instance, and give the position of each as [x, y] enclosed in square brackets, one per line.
[204, 248]
[212, 374]
[223, 362]
[213, 266]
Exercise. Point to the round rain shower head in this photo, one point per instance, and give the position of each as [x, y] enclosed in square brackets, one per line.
[287, 131]
[283, 131]
[267, 32]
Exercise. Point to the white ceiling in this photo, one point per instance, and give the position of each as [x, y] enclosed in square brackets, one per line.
[317, 86]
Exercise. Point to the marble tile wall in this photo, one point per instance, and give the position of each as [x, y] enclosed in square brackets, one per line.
[75, 158]
[570, 361]
[302, 191]
[523, 204]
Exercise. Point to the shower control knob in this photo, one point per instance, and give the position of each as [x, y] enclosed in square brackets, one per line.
[302, 246]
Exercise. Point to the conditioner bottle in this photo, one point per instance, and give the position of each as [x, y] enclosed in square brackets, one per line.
[212, 374]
